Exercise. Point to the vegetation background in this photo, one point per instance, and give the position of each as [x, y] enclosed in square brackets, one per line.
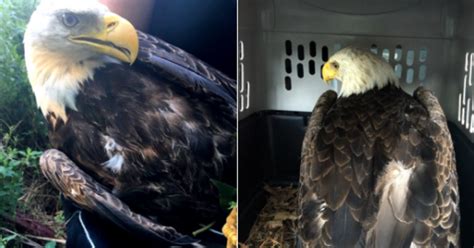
[29, 207]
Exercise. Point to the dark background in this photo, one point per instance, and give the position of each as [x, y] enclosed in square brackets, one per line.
[205, 28]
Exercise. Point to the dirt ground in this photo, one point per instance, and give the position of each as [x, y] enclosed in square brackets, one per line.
[276, 224]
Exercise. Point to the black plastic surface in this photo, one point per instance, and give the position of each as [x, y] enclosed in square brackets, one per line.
[465, 166]
[252, 157]
[269, 153]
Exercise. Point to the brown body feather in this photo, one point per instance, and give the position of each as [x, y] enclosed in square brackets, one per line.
[344, 170]
[174, 120]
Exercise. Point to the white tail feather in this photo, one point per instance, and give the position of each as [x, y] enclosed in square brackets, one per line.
[392, 186]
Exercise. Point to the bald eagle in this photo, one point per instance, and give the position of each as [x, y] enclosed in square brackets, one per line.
[378, 166]
[147, 124]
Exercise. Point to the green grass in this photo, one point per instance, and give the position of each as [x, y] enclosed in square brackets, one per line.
[17, 103]
[22, 135]
[13, 164]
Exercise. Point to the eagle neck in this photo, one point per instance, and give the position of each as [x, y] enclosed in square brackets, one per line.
[56, 79]
[357, 87]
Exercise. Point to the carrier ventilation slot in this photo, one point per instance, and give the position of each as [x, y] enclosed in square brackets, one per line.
[465, 98]
[308, 60]
[244, 85]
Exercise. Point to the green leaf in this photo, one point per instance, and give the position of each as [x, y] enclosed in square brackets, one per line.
[59, 217]
[227, 193]
[15, 163]
[50, 244]
[9, 238]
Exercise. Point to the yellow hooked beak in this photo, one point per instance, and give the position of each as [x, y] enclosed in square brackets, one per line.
[117, 38]
[329, 72]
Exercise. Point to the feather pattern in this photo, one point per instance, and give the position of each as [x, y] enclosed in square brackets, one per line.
[382, 165]
[92, 196]
[173, 118]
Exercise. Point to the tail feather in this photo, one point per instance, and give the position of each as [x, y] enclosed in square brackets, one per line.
[392, 228]
[345, 230]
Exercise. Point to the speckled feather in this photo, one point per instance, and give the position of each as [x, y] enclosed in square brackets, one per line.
[173, 116]
[347, 146]
[92, 196]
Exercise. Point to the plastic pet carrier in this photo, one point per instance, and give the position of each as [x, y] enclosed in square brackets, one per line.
[283, 45]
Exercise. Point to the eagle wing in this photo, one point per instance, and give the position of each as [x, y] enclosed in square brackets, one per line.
[309, 205]
[443, 217]
[190, 72]
[419, 206]
[78, 186]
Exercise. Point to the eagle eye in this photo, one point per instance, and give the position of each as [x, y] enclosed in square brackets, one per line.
[69, 19]
[335, 65]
